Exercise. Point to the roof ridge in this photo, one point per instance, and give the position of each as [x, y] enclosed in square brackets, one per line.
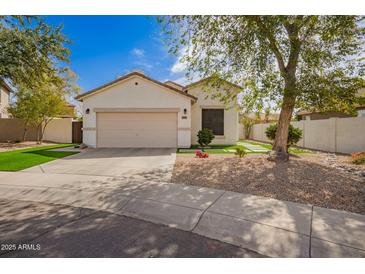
[142, 75]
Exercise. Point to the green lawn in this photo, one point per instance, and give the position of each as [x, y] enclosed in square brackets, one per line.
[214, 147]
[23, 158]
[269, 146]
[228, 147]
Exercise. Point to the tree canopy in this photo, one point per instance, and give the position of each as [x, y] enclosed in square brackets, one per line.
[311, 62]
[30, 50]
[38, 106]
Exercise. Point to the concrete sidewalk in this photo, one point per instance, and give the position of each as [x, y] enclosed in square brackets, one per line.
[61, 231]
[270, 227]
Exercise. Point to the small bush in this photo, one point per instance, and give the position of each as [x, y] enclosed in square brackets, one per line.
[201, 154]
[240, 152]
[295, 134]
[205, 136]
[358, 158]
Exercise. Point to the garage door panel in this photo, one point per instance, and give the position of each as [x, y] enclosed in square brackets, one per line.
[136, 125]
[137, 129]
[138, 116]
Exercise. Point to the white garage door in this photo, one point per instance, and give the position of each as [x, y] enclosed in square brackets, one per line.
[141, 129]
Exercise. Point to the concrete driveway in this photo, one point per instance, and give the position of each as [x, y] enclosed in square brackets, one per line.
[138, 164]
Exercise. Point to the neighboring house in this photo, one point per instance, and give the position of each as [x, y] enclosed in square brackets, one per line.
[5, 91]
[138, 111]
[315, 115]
[308, 115]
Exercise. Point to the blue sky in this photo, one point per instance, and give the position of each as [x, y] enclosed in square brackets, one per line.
[105, 47]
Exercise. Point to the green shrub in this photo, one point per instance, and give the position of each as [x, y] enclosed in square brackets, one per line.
[295, 134]
[240, 152]
[205, 136]
[358, 158]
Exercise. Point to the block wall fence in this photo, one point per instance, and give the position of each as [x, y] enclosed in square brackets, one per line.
[342, 135]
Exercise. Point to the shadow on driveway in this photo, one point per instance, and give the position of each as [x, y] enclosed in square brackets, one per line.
[63, 231]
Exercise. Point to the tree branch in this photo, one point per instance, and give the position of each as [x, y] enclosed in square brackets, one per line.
[295, 44]
[272, 44]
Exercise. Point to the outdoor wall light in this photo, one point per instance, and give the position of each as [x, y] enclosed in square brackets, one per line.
[185, 111]
[87, 111]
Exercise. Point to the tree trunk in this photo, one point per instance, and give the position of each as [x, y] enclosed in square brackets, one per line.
[43, 129]
[39, 130]
[280, 147]
[247, 131]
[25, 132]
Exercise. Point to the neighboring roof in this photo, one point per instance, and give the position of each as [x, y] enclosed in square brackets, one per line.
[135, 73]
[206, 79]
[5, 85]
[304, 112]
[360, 93]
[70, 113]
[174, 83]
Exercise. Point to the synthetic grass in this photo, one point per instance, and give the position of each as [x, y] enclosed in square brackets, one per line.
[265, 145]
[215, 147]
[269, 146]
[16, 160]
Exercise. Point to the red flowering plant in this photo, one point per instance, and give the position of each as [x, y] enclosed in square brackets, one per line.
[201, 154]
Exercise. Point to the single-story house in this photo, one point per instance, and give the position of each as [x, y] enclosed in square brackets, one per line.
[137, 111]
[5, 91]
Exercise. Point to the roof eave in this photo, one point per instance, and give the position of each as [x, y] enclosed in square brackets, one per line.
[89, 93]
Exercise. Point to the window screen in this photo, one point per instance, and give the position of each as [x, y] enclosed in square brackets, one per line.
[214, 120]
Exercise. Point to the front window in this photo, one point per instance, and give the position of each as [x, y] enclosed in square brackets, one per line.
[214, 120]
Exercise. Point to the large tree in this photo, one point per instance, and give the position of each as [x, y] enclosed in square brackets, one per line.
[312, 62]
[25, 108]
[31, 49]
[39, 105]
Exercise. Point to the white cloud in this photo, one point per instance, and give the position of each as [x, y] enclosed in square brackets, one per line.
[137, 52]
[179, 66]
[143, 64]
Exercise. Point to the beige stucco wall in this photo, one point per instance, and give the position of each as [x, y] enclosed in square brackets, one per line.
[4, 102]
[343, 135]
[145, 95]
[231, 125]
[59, 130]
[350, 134]
[258, 132]
[12, 129]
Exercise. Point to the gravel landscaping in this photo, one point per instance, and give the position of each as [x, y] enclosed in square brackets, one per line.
[313, 179]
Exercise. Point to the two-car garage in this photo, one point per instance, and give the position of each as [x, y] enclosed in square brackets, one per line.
[136, 111]
[136, 129]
